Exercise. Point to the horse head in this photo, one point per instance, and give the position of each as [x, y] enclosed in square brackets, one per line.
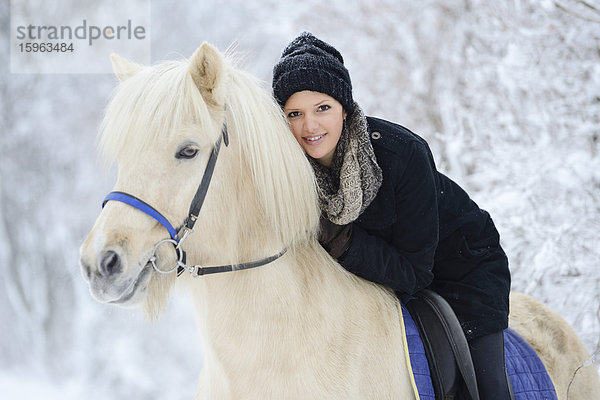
[161, 126]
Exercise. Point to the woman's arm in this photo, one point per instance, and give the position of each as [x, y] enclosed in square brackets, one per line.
[405, 262]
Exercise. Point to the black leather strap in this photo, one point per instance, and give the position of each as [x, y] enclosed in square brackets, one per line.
[200, 271]
[200, 195]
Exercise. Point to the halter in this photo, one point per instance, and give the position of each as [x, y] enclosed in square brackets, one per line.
[176, 238]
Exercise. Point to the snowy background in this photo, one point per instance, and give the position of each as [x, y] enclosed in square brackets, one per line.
[507, 94]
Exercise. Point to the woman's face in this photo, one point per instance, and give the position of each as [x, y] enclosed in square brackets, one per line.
[316, 120]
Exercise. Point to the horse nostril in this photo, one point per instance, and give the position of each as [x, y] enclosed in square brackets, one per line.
[110, 264]
[86, 271]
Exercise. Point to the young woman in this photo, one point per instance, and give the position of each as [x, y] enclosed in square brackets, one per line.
[388, 215]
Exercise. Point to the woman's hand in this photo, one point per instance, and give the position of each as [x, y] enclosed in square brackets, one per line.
[334, 238]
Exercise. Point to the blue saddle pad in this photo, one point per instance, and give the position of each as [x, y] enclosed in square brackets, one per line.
[528, 376]
[418, 358]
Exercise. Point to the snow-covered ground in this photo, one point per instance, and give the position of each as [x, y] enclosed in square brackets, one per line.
[506, 93]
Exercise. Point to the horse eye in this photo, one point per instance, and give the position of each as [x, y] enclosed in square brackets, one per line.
[187, 152]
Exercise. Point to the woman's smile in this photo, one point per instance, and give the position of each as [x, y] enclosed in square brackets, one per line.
[314, 140]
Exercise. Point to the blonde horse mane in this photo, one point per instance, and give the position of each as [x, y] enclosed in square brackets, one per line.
[152, 103]
[280, 171]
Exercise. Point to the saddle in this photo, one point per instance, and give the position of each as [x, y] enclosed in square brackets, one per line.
[446, 348]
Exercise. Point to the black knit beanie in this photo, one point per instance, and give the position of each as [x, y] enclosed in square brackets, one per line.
[308, 63]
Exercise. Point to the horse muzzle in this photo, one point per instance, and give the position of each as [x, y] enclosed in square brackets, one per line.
[109, 279]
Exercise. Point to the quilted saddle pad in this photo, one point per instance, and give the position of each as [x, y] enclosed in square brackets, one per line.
[528, 376]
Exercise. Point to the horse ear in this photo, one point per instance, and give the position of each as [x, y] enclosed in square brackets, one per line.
[207, 69]
[124, 68]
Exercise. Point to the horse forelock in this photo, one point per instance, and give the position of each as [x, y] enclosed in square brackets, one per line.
[148, 108]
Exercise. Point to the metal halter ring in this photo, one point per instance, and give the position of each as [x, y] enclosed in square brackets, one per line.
[179, 263]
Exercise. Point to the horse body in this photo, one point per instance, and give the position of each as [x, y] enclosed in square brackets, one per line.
[557, 345]
[299, 327]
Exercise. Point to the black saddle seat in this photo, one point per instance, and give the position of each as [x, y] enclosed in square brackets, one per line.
[446, 348]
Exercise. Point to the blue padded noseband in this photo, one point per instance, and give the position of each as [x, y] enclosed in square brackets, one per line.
[145, 207]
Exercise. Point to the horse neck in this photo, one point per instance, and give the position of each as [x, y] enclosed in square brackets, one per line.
[266, 294]
[258, 309]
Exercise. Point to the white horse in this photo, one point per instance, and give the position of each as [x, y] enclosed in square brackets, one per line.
[299, 327]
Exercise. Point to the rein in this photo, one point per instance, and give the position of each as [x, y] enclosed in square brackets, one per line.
[176, 236]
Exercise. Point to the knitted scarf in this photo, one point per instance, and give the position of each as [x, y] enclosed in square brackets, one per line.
[352, 181]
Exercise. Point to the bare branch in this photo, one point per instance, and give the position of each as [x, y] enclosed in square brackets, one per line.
[590, 6]
[575, 14]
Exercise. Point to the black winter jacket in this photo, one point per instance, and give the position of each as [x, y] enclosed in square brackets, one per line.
[422, 230]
